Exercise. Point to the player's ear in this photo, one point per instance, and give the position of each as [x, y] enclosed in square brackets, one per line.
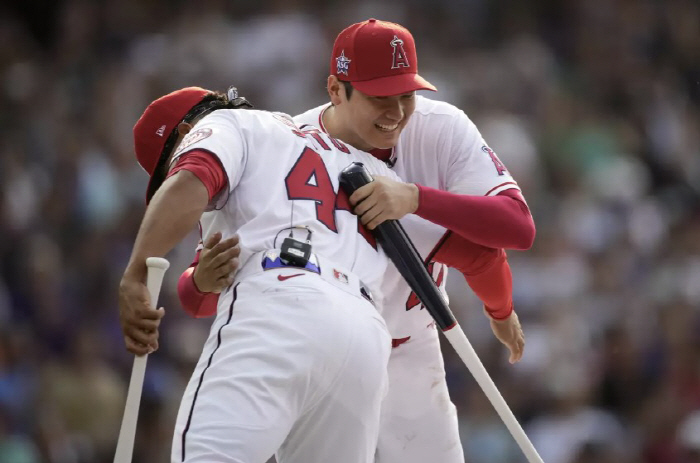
[184, 128]
[335, 89]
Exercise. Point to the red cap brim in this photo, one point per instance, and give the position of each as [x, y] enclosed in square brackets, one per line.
[393, 85]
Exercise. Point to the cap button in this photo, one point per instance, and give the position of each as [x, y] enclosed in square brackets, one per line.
[372, 20]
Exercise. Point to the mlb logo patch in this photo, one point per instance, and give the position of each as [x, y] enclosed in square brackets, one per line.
[340, 276]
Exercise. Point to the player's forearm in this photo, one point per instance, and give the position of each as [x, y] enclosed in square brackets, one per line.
[494, 286]
[486, 270]
[501, 221]
[173, 212]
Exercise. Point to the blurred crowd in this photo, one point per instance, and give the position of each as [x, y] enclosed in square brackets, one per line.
[593, 105]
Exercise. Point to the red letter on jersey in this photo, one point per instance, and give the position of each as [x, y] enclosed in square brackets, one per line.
[342, 203]
[413, 298]
[500, 168]
[309, 179]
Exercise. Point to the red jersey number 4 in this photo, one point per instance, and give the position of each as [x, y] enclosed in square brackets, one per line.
[309, 180]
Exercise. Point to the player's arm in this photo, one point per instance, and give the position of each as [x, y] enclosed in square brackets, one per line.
[479, 200]
[214, 264]
[488, 274]
[501, 221]
[172, 213]
[211, 272]
[198, 178]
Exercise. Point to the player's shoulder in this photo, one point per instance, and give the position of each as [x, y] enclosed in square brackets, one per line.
[247, 118]
[427, 107]
[436, 117]
[310, 117]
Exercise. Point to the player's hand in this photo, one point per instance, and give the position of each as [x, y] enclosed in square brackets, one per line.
[139, 321]
[510, 333]
[218, 260]
[384, 199]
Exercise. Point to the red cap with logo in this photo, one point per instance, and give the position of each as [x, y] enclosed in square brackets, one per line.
[157, 123]
[379, 58]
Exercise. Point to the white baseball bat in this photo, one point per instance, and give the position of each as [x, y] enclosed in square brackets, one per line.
[466, 352]
[125, 445]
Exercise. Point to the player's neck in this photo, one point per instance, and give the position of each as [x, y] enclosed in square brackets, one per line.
[333, 127]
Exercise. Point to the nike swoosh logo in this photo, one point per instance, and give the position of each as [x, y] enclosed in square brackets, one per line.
[287, 277]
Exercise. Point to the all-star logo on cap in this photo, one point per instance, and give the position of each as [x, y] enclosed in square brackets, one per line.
[342, 64]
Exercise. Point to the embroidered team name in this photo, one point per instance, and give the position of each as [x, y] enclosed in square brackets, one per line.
[400, 58]
[342, 64]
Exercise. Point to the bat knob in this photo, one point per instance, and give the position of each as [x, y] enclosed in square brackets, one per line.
[157, 262]
[353, 177]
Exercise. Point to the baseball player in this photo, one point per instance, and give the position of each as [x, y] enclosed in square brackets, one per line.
[297, 355]
[468, 205]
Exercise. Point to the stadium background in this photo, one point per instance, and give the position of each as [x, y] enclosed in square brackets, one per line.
[594, 105]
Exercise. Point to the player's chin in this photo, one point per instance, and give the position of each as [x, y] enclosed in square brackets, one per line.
[385, 140]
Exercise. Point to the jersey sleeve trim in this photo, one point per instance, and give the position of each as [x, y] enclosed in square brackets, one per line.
[502, 187]
[205, 166]
[220, 198]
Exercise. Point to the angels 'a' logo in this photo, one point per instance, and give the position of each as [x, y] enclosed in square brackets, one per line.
[342, 64]
[500, 168]
[400, 58]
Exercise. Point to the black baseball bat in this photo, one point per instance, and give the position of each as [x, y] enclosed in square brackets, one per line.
[400, 249]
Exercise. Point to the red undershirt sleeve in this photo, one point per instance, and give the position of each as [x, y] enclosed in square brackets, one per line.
[206, 167]
[486, 270]
[501, 221]
[196, 303]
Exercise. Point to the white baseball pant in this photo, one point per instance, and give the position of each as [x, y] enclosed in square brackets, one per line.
[294, 367]
[419, 421]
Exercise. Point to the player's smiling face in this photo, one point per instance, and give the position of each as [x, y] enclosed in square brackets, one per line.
[368, 122]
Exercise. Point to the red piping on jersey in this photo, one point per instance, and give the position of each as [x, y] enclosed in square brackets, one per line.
[399, 341]
[499, 186]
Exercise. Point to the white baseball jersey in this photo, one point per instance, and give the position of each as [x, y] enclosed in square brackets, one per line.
[296, 361]
[439, 148]
[300, 175]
